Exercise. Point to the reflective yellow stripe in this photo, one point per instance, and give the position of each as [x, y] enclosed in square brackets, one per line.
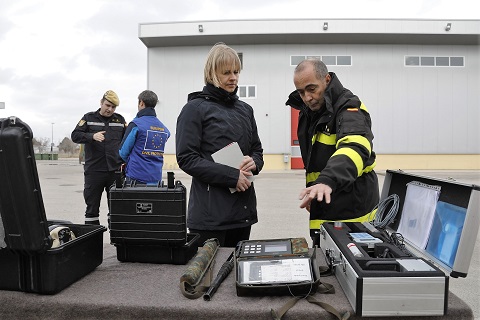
[361, 140]
[315, 224]
[369, 168]
[354, 156]
[329, 140]
[312, 176]
[363, 107]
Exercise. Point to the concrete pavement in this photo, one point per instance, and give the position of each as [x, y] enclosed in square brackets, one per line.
[278, 206]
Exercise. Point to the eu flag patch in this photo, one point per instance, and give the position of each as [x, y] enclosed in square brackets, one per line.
[155, 141]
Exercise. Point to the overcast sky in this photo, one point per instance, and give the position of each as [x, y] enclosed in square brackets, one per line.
[58, 57]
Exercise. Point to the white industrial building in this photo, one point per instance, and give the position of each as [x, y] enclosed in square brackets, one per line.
[420, 80]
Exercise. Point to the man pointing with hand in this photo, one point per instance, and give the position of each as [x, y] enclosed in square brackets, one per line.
[101, 132]
[336, 143]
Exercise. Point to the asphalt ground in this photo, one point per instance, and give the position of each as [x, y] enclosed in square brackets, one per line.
[279, 214]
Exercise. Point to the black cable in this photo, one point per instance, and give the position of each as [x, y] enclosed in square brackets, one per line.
[397, 240]
[386, 254]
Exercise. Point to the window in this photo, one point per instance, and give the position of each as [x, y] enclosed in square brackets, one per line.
[344, 60]
[240, 55]
[443, 61]
[251, 92]
[242, 91]
[294, 60]
[429, 61]
[456, 62]
[247, 92]
[328, 60]
[412, 61]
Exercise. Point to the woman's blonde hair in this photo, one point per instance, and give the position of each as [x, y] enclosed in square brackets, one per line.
[220, 58]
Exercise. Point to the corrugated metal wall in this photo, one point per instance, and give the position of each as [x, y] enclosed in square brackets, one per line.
[415, 110]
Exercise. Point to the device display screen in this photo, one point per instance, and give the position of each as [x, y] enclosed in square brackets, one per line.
[294, 270]
[275, 248]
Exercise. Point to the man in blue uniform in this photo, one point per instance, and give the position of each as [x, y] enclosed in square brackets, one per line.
[144, 142]
[101, 132]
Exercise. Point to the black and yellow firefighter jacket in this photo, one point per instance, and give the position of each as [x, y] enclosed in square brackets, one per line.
[337, 150]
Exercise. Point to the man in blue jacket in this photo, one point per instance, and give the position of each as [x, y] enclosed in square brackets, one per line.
[144, 142]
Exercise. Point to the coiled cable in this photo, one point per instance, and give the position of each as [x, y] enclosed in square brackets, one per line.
[381, 220]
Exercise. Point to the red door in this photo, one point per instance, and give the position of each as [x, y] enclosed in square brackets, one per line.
[296, 158]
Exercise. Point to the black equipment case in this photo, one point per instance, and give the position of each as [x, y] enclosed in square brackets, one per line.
[148, 223]
[27, 260]
[392, 275]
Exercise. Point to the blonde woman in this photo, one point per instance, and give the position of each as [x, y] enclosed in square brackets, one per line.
[212, 119]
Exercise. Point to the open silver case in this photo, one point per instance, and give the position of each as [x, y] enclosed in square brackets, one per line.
[407, 274]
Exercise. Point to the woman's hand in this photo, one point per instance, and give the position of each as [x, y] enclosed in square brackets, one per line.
[247, 164]
[243, 183]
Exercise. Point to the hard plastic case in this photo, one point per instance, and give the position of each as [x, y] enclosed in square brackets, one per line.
[55, 269]
[148, 215]
[148, 223]
[27, 261]
[411, 282]
[159, 253]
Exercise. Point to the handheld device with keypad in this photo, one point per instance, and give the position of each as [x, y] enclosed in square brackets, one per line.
[265, 248]
[275, 267]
